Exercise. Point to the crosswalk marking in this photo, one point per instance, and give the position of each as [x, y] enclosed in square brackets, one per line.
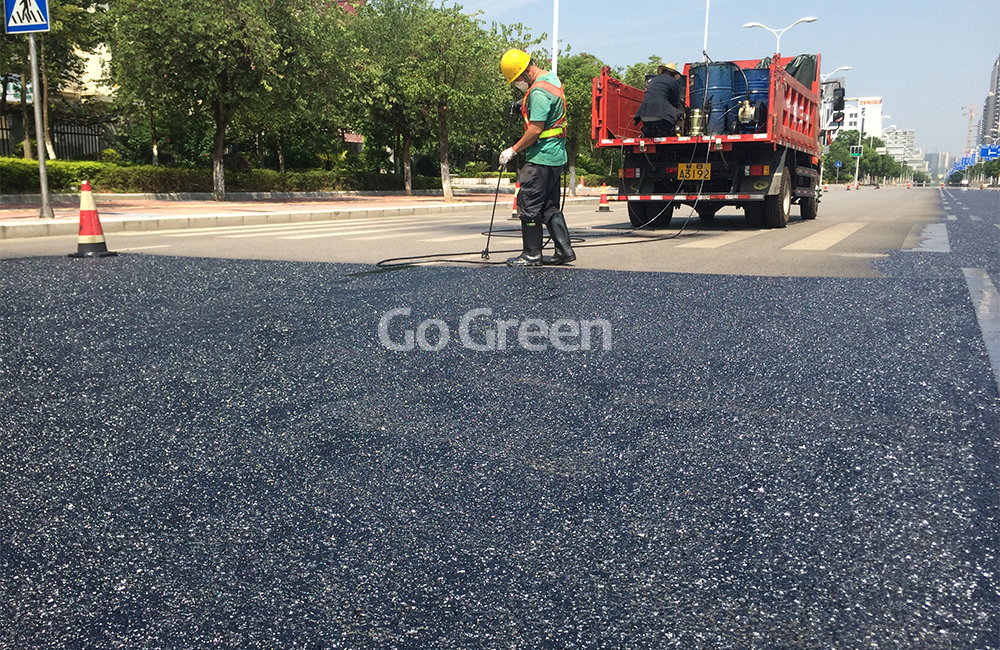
[721, 240]
[453, 238]
[975, 217]
[341, 233]
[952, 217]
[826, 238]
[299, 225]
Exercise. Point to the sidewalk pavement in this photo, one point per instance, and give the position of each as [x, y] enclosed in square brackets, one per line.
[19, 216]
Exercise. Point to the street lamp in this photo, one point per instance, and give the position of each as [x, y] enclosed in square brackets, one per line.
[778, 33]
[830, 74]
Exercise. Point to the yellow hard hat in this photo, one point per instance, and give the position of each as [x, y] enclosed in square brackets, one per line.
[671, 67]
[513, 63]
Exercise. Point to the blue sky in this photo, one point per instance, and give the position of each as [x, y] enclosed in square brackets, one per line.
[926, 59]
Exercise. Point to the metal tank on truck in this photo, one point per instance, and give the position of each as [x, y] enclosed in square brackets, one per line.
[750, 139]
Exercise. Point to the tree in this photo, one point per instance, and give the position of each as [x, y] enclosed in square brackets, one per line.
[224, 56]
[453, 74]
[383, 32]
[577, 74]
[635, 74]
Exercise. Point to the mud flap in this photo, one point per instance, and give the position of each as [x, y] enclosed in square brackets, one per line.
[764, 184]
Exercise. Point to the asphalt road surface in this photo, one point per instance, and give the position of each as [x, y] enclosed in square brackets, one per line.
[204, 452]
[855, 228]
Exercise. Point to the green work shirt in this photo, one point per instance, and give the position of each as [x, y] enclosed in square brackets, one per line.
[544, 107]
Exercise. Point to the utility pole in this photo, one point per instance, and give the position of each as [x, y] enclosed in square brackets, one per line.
[861, 129]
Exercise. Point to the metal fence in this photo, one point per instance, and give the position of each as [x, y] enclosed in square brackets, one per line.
[71, 141]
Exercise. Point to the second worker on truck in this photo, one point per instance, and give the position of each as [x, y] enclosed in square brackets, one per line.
[663, 105]
[544, 147]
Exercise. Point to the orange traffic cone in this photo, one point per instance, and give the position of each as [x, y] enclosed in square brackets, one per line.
[604, 205]
[513, 211]
[90, 242]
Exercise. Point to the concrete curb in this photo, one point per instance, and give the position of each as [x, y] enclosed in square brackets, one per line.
[73, 198]
[49, 228]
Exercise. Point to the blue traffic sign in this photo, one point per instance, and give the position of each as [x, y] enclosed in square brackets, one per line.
[24, 16]
[989, 152]
[837, 164]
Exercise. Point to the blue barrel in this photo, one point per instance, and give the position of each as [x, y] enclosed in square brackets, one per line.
[712, 90]
[759, 81]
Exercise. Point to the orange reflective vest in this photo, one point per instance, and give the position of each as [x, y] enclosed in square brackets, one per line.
[558, 128]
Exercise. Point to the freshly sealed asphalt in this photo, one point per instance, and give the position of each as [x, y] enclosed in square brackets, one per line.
[215, 453]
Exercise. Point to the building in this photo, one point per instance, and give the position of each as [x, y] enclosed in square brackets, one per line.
[901, 145]
[866, 116]
[989, 123]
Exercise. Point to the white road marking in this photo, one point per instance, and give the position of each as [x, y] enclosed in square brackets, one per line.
[975, 217]
[454, 238]
[952, 217]
[341, 233]
[986, 302]
[826, 238]
[933, 239]
[717, 241]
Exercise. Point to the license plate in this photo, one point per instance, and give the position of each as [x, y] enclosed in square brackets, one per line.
[694, 171]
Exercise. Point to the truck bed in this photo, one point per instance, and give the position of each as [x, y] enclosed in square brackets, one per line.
[793, 117]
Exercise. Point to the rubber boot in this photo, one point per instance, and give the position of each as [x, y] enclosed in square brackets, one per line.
[531, 243]
[560, 239]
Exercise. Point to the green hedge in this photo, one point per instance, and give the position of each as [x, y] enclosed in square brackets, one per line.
[19, 176]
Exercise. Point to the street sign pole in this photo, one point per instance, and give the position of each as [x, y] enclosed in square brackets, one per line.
[28, 17]
[43, 179]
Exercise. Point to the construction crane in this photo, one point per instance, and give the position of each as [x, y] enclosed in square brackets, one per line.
[971, 142]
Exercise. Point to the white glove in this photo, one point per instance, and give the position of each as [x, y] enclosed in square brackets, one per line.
[506, 156]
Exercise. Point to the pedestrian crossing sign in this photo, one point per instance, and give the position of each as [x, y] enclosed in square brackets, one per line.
[23, 16]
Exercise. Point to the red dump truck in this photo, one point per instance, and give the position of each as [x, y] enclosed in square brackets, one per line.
[749, 139]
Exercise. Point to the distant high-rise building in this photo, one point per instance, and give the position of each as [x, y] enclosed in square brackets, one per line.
[989, 124]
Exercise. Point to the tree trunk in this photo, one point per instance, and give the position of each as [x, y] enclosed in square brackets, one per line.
[152, 133]
[397, 167]
[25, 122]
[407, 172]
[219, 152]
[45, 101]
[443, 139]
[281, 154]
[4, 80]
[573, 146]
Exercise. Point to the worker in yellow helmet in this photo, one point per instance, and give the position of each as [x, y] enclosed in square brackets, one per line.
[544, 146]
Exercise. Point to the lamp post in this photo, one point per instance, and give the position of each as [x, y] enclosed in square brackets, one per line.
[779, 32]
[830, 74]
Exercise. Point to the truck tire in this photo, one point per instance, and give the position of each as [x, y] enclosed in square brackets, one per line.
[707, 211]
[808, 207]
[754, 214]
[777, 207]
[650, 215]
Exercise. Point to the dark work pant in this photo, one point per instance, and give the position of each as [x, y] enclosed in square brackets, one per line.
[658, 129]
[538, 198]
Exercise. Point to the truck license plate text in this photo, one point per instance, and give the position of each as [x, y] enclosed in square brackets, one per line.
[694, 171]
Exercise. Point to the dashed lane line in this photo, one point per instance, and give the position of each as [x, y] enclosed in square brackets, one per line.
[986, 302]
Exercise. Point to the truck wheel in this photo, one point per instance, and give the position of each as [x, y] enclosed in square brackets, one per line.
[776, 208]
[754, 214]
[649, 215]
[707, 212]
[809, 207]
